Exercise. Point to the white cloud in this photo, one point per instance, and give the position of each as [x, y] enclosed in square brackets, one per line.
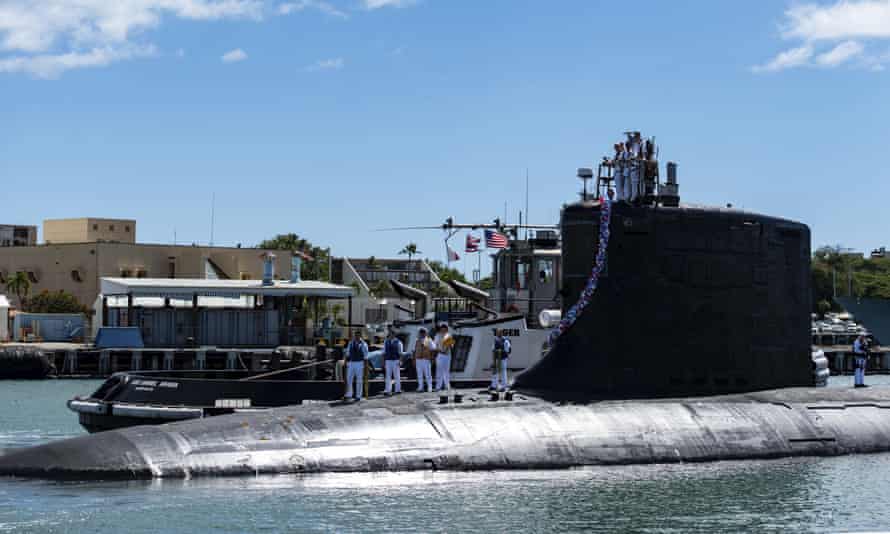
[49, 66]
[336, 63]
[377, 4]
[234, 56]
[843, 20]
[840, 54]
[91, 33]
[834, 34]
[301, 5]
[794, 57]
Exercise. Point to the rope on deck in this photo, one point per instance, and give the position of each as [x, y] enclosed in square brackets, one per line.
[598, 267]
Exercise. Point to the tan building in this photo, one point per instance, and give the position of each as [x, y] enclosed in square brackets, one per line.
[77, 267]
[16, 235]
[89, 230]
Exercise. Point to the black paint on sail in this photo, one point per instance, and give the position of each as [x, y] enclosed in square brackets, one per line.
[694, 301]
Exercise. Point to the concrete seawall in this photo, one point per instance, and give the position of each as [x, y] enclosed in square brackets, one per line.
[412, 432]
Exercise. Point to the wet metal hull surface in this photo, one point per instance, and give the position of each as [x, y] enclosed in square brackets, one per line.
[414, 432]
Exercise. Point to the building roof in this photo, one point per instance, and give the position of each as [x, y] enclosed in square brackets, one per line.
[189, 287]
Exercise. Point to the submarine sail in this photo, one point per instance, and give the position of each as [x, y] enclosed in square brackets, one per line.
[692, 301]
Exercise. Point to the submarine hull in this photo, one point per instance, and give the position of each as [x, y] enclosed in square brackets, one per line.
[414, 432]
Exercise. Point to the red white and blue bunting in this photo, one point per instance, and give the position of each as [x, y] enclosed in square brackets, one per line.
[600, 264]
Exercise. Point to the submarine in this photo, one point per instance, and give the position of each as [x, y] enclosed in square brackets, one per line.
[685, 338]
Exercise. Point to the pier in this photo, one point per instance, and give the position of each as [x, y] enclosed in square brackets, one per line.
[71, 360]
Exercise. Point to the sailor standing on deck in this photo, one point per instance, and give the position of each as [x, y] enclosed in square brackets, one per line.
[500, 357]
[860, 360]
[424, 350]
[444, 343]
[356, 355]
[392, 362]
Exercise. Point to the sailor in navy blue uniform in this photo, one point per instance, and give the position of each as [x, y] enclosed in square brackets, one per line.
[860, 360]
[356, 354]
[500, 358]
[392, 362]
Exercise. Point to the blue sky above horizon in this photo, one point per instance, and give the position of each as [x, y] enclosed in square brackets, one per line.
[330, 119]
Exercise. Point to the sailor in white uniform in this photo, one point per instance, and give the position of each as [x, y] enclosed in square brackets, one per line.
[444, 342]
[618, 171]
[860, 361]
[356, 355]
[634, 146]
[392, 363]
[500, 358]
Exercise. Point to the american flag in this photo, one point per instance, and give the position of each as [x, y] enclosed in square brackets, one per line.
[472, 244]
[495, 239]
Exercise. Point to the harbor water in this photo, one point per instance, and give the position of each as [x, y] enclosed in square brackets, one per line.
[794, 495]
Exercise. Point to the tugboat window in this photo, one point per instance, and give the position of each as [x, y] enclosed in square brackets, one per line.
[545, 271]
[460, 352]
[521, 271]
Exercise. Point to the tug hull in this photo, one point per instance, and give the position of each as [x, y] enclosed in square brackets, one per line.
[414, 432]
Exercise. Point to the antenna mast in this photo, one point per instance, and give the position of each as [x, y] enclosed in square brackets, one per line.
[212, 215]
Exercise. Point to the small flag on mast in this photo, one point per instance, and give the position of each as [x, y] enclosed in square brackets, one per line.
[495, 239]
[472, 244]
[452, 255]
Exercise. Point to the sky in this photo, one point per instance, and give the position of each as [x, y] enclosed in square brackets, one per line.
[334, 118]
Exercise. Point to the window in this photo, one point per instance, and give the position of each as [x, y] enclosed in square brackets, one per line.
[460, 352]
[125, 273]
[127, 228]
[111, 227]
[75, 275]
[521, 271]
[33, 277]
[95, 227]
[545, 271]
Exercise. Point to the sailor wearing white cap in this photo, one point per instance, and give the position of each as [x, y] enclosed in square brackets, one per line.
[444, 343]
[618, 171]
[424, 351]
[356, 355]
[392, 362]
[500, 357]
[634, 147]
[860, 355]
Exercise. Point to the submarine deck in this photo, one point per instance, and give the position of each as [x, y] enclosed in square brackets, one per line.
[415, 432]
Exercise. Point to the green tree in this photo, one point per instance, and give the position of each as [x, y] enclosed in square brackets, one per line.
[380, 289]
[55, 302]
[316, 269]
[20, 285]
[485, 283]
[445, 273]
[833, 268]
[410, 250]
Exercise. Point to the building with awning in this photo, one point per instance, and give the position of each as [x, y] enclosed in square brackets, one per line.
[226, 313]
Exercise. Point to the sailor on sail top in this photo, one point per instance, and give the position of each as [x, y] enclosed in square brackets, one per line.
[618, 171]
[444, 343]
[634, 148]
[356, 355]
[500, 357]
[392, 362]
[860, 355]
[424, 351]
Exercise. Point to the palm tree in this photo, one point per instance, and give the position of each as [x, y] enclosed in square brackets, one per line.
[20, 285]
[410, 250]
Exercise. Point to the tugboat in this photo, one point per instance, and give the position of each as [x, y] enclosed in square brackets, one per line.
[684, 338]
